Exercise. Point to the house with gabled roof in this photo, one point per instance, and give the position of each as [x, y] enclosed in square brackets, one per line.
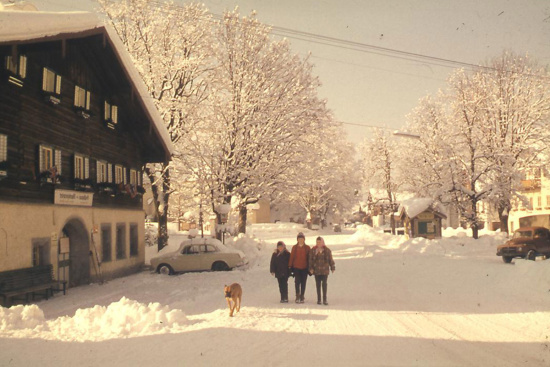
[77, 126]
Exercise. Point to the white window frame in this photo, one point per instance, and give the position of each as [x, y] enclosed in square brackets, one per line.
[110, 113]
[46, 159]
[3, 148]
[19, 68]
[51, 81]
[81, 167]
[101, 173]
[119, 173]
[81, 98]
[109, 173]
[134, 177]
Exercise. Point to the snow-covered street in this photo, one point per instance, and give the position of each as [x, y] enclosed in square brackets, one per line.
[392, 302]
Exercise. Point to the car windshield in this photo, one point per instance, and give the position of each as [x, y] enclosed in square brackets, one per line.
[523, 234]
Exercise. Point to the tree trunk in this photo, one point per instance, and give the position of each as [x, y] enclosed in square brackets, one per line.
[218, 227]
[242, 218]
[475, 231]
[503, 216]
[392, 221]
[162, 216]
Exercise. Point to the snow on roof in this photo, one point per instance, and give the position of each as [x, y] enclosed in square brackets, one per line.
[25, 26]
[415, 206]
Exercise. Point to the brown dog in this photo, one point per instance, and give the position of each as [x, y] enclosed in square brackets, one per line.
[233, 293]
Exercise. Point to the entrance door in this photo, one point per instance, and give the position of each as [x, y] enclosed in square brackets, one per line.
[79, 255]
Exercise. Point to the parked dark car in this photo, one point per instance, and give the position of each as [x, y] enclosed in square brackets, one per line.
[527, 243]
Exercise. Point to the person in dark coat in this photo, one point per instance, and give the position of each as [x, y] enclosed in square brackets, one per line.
[321, 264]
[279, 269]
[298, 264]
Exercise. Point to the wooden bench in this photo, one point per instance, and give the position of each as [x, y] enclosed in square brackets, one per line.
[29, 282]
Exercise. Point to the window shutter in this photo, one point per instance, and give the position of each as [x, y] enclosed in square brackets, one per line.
[3, 148]
[23, 66]
[75, 166]
[109, 172]
[87, 107]
[76, 101]
[98, 171]
[114, 114]
[40, 159]
[58, 161]
[58, 84]
[45, 79]
[124, 174]
[86, 168]
[107, 113]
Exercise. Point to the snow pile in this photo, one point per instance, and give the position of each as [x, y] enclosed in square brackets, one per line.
[21, 317]
[123, 319]
[415, 206]
[251, 247]
[455, 242]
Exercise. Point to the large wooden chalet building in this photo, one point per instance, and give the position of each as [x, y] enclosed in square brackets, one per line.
[76, 129]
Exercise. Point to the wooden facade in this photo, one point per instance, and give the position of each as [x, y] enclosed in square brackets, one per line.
[76, 129]
[31, 118]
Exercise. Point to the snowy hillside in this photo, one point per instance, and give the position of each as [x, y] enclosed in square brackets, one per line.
[391, 302]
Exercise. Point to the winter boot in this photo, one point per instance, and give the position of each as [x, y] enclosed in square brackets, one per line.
[302, 299]
[297, 298]
[324, 302]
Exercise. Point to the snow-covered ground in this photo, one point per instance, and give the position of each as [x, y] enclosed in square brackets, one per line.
[448, 302]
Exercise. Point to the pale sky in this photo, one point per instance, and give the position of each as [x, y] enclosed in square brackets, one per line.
[375, 89]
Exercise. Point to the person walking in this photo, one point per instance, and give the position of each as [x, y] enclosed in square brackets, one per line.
[298, 264]
[279, 269]
[320, 265]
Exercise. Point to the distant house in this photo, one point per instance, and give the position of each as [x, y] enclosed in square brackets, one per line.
[421, 217]
[259, 212]
[76, 128]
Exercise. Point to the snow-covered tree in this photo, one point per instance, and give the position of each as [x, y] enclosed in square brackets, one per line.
[263, 102]
[517, 117]
[171, 50]
[379, 165]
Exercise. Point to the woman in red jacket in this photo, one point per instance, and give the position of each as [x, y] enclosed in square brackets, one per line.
[298, 264]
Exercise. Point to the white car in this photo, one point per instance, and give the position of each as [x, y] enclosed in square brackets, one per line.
[198, 254]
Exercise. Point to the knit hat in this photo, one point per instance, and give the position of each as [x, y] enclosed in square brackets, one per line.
[280, 243]
[301, 235]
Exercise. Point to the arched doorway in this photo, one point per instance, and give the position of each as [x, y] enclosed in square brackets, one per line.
[79, 253]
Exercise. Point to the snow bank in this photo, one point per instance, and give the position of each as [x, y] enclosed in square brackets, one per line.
[123, 319]
[252, 247]
[21, 317]
[455, 242]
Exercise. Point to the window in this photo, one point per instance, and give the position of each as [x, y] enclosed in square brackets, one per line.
[133, 177]
[81, 167]
[539, 201]
[49, 158]
[101, 171]
[547, 199]
[111, 114]
[17, 68]
[530, 203]
[134, 239]
[106, 242]
[3, 148]
[119, 173]
[51, 82]
[120, 241]
[109, 172]
[81, 98]
[40, 251]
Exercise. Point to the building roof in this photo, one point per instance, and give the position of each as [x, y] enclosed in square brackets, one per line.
[414, 206]
[30, 26]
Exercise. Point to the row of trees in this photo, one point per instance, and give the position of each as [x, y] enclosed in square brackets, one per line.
[477, 137]
[241, 108]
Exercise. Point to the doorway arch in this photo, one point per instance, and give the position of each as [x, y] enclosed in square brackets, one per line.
[79, 252]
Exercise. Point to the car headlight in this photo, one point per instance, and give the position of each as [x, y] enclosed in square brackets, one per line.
[520, 248]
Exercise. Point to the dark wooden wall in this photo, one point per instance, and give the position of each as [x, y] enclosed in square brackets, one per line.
[28, 120]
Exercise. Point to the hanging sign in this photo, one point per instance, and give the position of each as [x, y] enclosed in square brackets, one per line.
[68, 197]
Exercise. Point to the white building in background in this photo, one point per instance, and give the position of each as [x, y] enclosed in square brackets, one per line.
[534, 210]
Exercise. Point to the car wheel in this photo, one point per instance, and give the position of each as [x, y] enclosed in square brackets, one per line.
[165, 269]
[531, 255]
[220, 266]
[507, 259]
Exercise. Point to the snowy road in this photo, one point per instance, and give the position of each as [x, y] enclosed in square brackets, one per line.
[387, 308]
